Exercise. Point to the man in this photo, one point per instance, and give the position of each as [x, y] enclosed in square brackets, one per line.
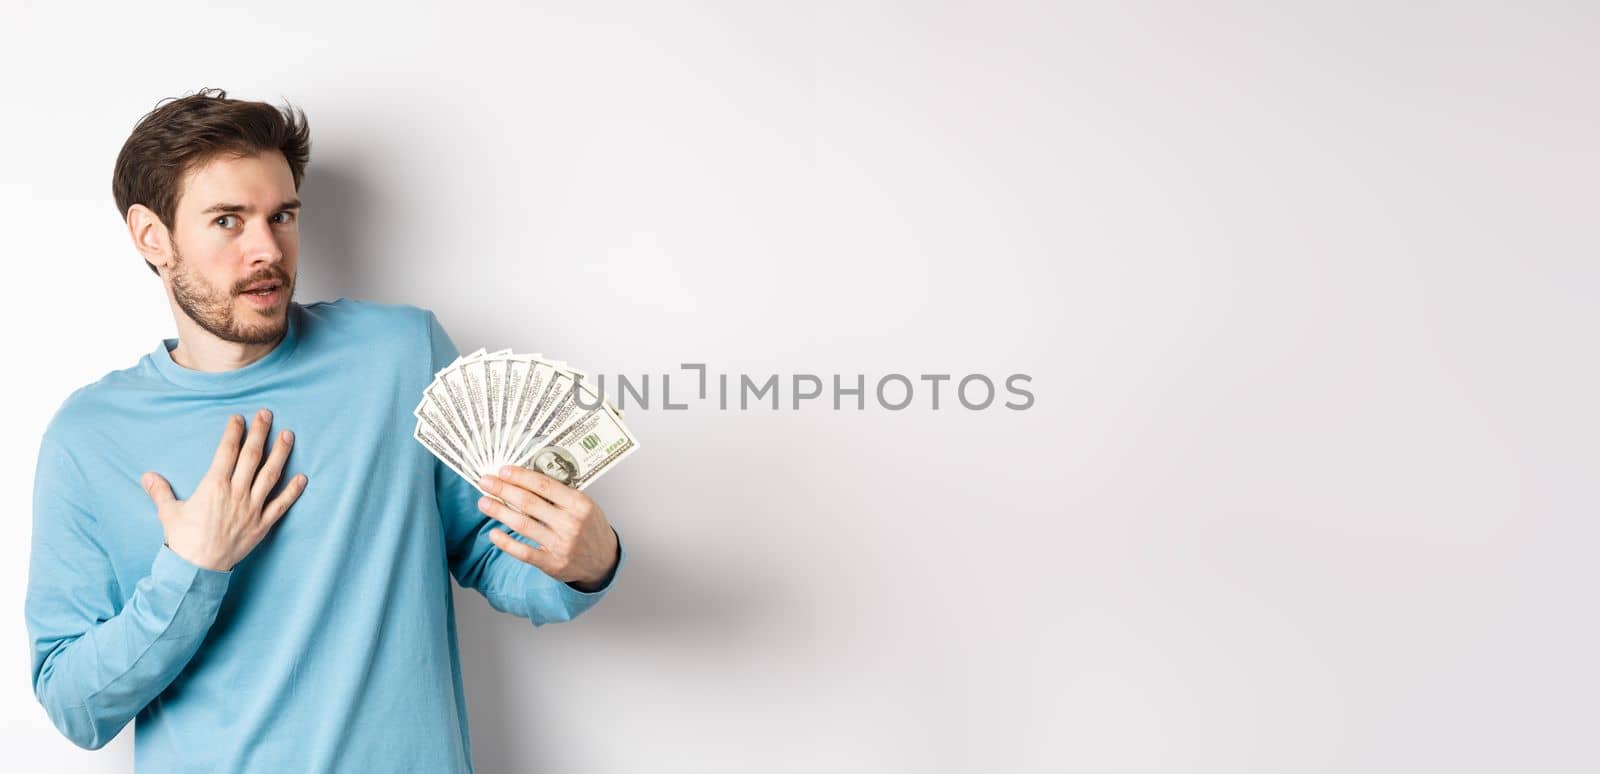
[272, 601]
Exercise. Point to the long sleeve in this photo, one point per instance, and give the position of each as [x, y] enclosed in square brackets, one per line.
[508, 583]
[99, 659]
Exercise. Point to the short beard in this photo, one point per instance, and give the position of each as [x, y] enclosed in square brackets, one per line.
[213, 311]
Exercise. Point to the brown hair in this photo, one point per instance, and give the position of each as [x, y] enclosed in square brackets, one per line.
[181, 135]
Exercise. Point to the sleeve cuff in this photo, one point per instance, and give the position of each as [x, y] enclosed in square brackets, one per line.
[171, 570]
[182, 597]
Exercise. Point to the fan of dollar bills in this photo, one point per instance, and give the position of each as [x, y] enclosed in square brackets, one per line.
[485, 410]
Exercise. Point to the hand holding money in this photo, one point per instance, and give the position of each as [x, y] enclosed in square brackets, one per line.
[528, 434]
[227, 515]
[576, 543]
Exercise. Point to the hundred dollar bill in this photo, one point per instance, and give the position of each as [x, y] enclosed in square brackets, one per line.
[494, 388]
[509, 384]
[447, 453]
[470, 379]
[584, 449]
[560, 407]
[457, 400]
[538, 376]
[552, 380]
[450, 395]
[432, 415]
[530, 378]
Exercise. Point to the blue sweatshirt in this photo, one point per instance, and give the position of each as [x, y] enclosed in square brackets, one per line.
[331, 647]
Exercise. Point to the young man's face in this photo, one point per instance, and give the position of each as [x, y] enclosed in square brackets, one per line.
[237, 228]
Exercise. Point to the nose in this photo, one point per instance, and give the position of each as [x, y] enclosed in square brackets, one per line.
[260, 243]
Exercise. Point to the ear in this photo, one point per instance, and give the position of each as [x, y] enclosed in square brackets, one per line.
[150, 236]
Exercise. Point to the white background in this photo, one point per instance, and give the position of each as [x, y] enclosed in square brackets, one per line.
[1307, 295]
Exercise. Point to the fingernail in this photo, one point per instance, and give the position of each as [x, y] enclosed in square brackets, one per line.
[506, 471]
[484, 480]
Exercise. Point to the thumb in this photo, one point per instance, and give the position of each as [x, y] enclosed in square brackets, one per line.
[157, 487]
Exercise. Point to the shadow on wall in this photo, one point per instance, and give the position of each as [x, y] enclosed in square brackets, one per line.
[656, 615]
[337, 231]
[680, 604]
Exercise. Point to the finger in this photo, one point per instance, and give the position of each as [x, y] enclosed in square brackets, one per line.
[228, 448]
[537, 557]
[280, 504]
[272, 470]
[528, 503]
[250, 456]
[157, 487]
[519, 522]
[559, 494]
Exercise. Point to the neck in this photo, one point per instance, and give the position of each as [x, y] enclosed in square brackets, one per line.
[199, 350]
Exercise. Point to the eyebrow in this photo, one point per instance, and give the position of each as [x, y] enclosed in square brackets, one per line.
[291, 204]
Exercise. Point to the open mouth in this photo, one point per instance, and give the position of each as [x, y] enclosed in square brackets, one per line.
[264, 293]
